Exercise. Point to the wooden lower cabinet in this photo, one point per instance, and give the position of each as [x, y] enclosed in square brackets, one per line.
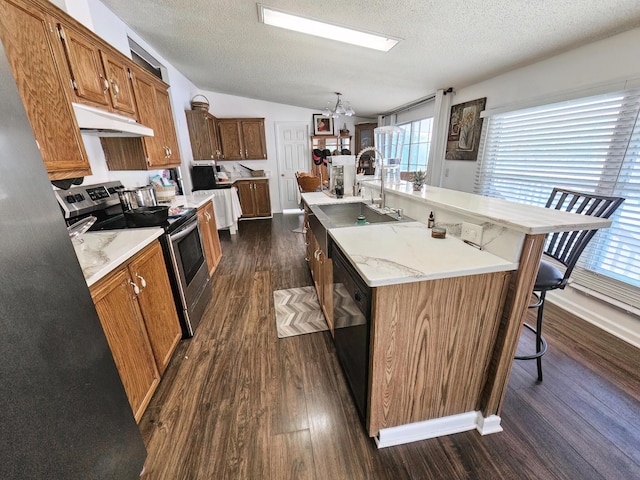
[321, 268]
[254, 198]
[210, 238]
[156, 302]
[136, 309]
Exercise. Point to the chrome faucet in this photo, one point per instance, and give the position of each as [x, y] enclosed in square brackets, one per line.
[355, 180]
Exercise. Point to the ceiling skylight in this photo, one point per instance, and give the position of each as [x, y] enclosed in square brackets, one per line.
[276, 18]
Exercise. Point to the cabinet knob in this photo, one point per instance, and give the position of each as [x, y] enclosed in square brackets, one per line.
[116, 89]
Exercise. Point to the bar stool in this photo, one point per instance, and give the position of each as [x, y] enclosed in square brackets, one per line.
[565, 248]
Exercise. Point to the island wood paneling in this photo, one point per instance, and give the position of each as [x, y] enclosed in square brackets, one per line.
[514, 312]
[429, 357]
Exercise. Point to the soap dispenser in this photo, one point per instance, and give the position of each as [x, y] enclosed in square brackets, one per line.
[431, 220]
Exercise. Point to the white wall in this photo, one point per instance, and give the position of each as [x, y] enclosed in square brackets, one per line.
[585, 70]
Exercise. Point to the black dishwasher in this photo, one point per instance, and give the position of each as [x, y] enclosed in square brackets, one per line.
[352, 322]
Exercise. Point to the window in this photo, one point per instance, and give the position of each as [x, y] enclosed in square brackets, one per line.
[590, 144]
[417, 141]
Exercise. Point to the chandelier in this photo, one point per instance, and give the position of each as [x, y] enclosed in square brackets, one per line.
[339, 109]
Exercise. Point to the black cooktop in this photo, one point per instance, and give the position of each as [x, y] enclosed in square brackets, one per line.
[118, 221]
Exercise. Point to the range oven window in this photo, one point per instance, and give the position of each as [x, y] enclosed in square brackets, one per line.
[191, 254]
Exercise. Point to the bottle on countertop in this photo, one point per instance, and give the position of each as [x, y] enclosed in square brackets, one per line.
[431, 220]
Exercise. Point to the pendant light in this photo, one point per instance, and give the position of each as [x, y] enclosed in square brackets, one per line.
[339, 109]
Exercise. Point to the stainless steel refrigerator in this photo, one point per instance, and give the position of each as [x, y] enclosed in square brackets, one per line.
[63, 411]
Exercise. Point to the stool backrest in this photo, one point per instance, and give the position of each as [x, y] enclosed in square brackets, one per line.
[566, 247]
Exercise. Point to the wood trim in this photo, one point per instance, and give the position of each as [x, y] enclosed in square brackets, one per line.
[514, 313]
[429, 359]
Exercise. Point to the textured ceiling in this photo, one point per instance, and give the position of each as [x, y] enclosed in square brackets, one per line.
[220, 45]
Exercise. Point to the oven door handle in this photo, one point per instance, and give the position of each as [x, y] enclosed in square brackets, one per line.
[180, 234]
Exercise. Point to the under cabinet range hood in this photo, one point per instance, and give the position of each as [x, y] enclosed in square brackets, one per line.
[93, 121]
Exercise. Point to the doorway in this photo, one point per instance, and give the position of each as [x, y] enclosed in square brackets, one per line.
[294, 155]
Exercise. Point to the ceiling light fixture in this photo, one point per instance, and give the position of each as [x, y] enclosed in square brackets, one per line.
[277, 18]
[339, 109]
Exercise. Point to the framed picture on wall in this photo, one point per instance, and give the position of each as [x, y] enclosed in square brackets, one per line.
[465, 127]
[322, 124]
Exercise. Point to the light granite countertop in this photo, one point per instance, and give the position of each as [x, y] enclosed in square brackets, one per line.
[393, 253]
[101, 252]
[527, 219]
[194, 200]
[406, 252]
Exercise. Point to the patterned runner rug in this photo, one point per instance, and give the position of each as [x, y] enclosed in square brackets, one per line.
[298, 312]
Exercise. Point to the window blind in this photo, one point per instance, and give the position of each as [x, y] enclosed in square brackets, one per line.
[589, 144]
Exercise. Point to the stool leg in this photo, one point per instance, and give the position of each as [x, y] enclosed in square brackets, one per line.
[539, 340]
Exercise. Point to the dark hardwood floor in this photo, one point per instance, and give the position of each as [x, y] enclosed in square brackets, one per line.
[236, 402]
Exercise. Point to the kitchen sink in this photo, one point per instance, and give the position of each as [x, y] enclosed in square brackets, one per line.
[325, 217]
[346, 214]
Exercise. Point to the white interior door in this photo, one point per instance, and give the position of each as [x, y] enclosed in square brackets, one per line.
[294, 155]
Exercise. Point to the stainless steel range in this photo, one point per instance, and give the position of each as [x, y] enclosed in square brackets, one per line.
[181, 244]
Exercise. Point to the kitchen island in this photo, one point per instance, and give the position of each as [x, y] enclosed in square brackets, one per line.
[445, 315]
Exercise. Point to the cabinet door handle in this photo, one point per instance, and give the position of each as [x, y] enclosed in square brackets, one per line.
[116, 89]
[143, 282]
[170, 151]
[105, 84]
[136, 288]
[246, 154]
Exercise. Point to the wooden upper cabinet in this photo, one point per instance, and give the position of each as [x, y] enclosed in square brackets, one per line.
[255, 146]
[242, 138]
[34, 51]
[230, 134]
[85, 65]
[99, 78]
[203, 135]
[170, 139]
[154, 111]
[120, 84]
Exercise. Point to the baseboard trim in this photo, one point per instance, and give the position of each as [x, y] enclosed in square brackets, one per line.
[438, 427]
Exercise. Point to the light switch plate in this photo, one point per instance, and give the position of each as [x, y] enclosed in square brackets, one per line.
[472, 232]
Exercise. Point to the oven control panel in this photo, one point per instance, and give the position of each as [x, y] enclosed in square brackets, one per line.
[87, 198]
